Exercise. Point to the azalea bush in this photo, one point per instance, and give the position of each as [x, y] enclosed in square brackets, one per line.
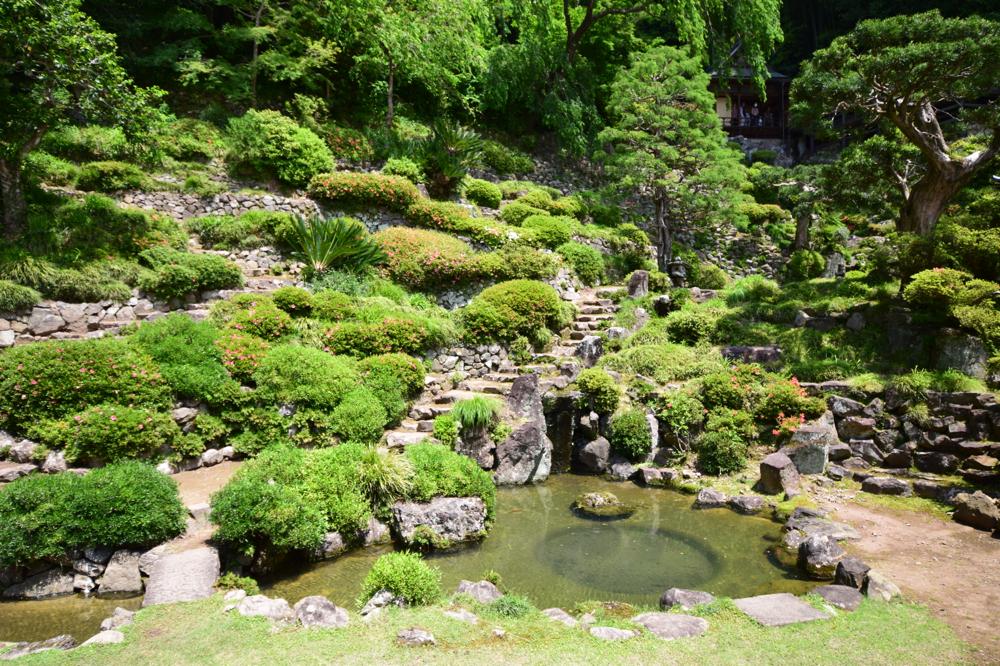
[268, 143]
[108, 433]
[364, 190]
[510, 309]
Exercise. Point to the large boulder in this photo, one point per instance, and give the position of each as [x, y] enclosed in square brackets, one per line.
[935, 462]
[121, 576]
[453, 519]
[710, 498]
[595, 455]
[333, 544]
[840, 596]
[603, 505]
[819, 556]
[886, 485]
[778, 475]
[185, 576]
[477, 444]
[258, 605]
[51, 583]
[977, 510]
[589, 350]
[856, 427]
[851, 572]
[526, 455]
[842, 406]
[810, 445]
[482, 591]
[877, 586]
[747, 504]
[319, 612]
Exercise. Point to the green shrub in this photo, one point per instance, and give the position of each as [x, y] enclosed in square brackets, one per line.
[629, 434]
[397, 334]
[293, 300]
[424, 259]
[517, 212]
[304, 377]
[268, 143]
[665, 362]
[86, 285]
[440, 472]
[505, 160]
[110, 177]
[482, 193]
[511, 606]
[53, 379]
[360, 417]
[550, 232]
[405, 575]
[87, 144]
[97, 226]
[45, 516]
[176, 274]
[805, 265]
[454, 218]
[333, 482]
[914, 385]
[107, 433]
[763, 155]
[232, 581]
[690, 327]
[262, 319]
[710, 276]
[600, 391]
[190, 140]
[511, 309]
[249, 230]
[587, 262]
[721, 452]
[241, 353]
[447, 155]
[784, 398]
[447, 429]
[476, 413]
[403, 369]
[14, 297]
[332, 305]
[514, 263]
[405, 167]
[364, 190]
[189, 359]
[735, 388]
[342, 243]
[384, 476]
[42, 167]
[937, 287]
[681, 412]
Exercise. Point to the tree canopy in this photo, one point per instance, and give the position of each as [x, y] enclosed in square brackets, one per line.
[925, 75]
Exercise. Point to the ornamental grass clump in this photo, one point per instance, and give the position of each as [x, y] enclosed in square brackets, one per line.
[476, 413]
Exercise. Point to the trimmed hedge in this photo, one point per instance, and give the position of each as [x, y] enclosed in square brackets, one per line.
[110, 177]
[362, 190]
[517, 212]
[482, 193]
[511, 309]
[108, 433]
[392, 334]
[548, 231]
[587, 262]
[14, 297]
[630, 434]
[176, 274]
[304, 377]
[360, 417]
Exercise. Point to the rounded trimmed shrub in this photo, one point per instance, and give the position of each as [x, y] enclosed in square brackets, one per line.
[482, 193]
[805, 265]
[295, 301]
[517, 212]
[110, 177]
[506, 160]
[587, 262]
[425, 260]
[405, 167]
[710, 276]
[690, 327]
[405, 370]
[332, 305]
[630, 434]
[269, 143]
[360, 417]
[600, 391]
[14, 297]
[551, 232]
[108, 433]
[263, 319]
[405, 575]
[304, 376]
[511, 309]
[365, 190]
[241, 353]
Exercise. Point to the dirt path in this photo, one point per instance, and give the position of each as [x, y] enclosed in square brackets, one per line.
[953, 569]
[197, 485]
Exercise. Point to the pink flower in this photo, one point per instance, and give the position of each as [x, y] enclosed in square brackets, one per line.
[114, 418]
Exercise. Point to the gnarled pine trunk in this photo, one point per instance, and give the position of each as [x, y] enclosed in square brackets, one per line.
[665, 241]
[927, 201]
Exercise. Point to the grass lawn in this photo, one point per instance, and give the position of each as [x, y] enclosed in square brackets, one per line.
[200, 633]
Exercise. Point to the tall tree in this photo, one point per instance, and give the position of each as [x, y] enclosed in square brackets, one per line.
[666, 144]
[56, 65]
[917, 73]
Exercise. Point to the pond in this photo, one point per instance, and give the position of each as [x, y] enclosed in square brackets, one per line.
[540, 548]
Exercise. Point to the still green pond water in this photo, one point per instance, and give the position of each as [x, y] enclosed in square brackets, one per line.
[540, 548]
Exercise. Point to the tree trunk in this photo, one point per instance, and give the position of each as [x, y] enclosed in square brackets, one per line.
[802, 232]
[927, 202]
[665, 244]
[15, 209]
[389, 110]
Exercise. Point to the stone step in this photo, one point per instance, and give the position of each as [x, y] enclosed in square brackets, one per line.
[601, 302]
[585, 325]
[456, 395]
[485, 386]
[595, 317]
[541, 368]
[425, 411]
[501, 377]
[403, 438]
[184, 576]
[595, 310]
[578, 335]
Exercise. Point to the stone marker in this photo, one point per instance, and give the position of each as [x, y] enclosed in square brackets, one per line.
[841, 596]
[777, 610]
[670, 626]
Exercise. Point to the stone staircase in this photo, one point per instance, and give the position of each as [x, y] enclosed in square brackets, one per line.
[556, 369]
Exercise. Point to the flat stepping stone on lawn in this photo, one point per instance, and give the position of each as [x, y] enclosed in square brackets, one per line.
[612, 633]
[669, 626]
[184, 576]
[842, 596]
[559, 615]
[777, 610]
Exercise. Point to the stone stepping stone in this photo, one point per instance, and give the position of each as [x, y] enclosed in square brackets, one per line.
[559, 615]
[415, 637]
[669, 626]
[184, 576]
[684, 599]
[840, 596]
[612, 633]
[777, 610]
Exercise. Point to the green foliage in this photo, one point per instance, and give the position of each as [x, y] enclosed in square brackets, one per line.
[938, 287]
[405, 167]
[249, 230]
[189, 359]
[14, 297]
[44, 168]
[107, 433]
[364, 190]
[304, 376]
[762, 155]
[97, 226]
[681, 412]
[550, 232]
[447, 155]
[447, 429]
[690, 326]
[189, 140]
[110, 177]
[662, 361]
[176, 274]
[511, 606]
[54, 379]
[709, 276]
[600, 391]
[517, 212]
[406, 371]
[805, 265]
[120, 505]
[509, 309]
[296, 301]
[384, 475]
[332, 305]
[263, 319]
[721, 452]
[332, 481]
[505, 160]
[87, 143]
[398, 333]
[342, 243]
[914, 385]
[476, 413]
[629, 434]
[440, 472]
[268, 143]
[423, 259]
[360, 417]
[454, 218]
[482, 192]
[405, 575]
[232, 581]
[587, 262]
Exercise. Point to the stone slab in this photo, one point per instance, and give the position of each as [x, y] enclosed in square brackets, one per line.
[669, 626]
[184, 576]
[777, 610]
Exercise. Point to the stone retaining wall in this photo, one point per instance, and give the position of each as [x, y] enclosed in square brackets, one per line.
[473, 361]
[183, 206]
